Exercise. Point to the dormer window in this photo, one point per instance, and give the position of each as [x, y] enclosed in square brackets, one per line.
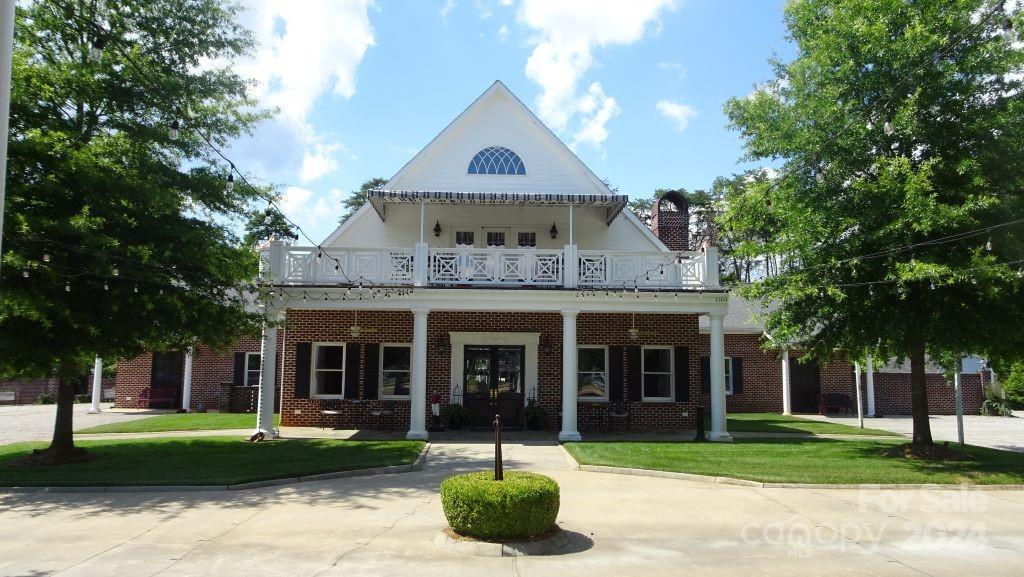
[496, 160]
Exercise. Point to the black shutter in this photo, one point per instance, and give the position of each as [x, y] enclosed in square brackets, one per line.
[737, 375]
[705, 375]
[615, 373]
[351, 371]
[682, 370]
[636, 385]
[303, 358]
[240, 368]
[371, 372]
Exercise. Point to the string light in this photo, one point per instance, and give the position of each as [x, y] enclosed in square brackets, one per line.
[24, 273]
[67, 287]
[887, 128]
[46, 257]
[96, 51]
[115, 272]
[175, 127]
[231, 180]
[988, 244]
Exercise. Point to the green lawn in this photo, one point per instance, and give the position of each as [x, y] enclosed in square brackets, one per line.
[182, 422]
[204, 461]
[776, 423]
[804, 461]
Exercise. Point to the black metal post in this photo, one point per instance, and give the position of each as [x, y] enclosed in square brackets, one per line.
[700, 426]
[499, 473]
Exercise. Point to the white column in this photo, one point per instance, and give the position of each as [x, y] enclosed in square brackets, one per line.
[186, 387]
[717, 361]
[787, 406]
[958, 391]
[569, 376]
[418, 384]
[265, 406]
[711, 267]
[869, 374]
[860, 401]
[97, 385]
[6, 50]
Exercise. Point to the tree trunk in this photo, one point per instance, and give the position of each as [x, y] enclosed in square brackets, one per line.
[919, 399]
[63, 438]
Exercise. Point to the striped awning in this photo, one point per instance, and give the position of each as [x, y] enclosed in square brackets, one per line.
[613, 203]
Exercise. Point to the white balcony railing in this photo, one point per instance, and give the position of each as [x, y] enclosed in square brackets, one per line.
[423, 266]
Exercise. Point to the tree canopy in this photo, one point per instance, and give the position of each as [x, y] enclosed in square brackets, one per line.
[892, 214]
[359, 197]
[118, 237]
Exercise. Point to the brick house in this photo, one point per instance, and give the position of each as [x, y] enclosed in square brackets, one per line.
[494, 270]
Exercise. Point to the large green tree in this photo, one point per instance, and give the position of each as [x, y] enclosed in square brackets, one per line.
[359, 197]
[118, 238]
[898, 128]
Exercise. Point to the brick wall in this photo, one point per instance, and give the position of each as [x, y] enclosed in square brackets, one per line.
[396, 327]
[209, 369]
[892, 394]
[26, 391]
[671, 226]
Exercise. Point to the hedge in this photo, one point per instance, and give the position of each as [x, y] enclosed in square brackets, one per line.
[523, 505]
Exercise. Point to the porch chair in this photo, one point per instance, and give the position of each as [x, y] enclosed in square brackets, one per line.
[142, 401]
[382, 411]
[618, 410]
[326, 410]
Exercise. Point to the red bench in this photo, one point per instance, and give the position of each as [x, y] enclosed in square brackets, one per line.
[834, 402]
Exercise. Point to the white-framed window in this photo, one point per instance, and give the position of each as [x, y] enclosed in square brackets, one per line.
[495, 238]
[328, 368]
[395, 370]
[526, 239]
[728, 375]
[465, 238]
[252, 369]
[656, 368]
[592, 372]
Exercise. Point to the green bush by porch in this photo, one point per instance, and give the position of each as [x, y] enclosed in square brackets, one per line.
[182, 422]
[521, 506]
[804, 461]
[203, 461]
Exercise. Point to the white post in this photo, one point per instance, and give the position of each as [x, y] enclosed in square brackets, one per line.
[570, 432]
[860, 407]
[97, 385]
[265, 404]
[6, 52]
[787, 406]
[418, 384]
[423, 210]
[186, 387]
[959, 392]
[869, 374]
[711, 267]
[420, 266]
[570, 224]
[717, 362]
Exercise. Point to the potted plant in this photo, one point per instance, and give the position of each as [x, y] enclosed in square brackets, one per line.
[533, 417]
[455, 416]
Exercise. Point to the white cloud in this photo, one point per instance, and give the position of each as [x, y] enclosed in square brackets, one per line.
[483, 10]
[672, 67]
[449, 5]
[300, 58]
[506, 2]
[503, 33]
[314, 212]
[567, 33]
[678, 113]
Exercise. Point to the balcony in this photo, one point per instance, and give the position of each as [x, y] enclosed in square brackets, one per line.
[491, 267]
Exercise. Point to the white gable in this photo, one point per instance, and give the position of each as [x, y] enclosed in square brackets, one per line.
[497, 118]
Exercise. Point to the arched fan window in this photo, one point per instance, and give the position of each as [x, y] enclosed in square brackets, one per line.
[496, 160]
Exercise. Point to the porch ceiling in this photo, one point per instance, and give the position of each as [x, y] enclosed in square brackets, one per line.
[612, 203]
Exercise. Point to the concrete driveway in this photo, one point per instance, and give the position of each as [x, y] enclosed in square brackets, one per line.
[1005, 433]
[35, 422]
[619, 525]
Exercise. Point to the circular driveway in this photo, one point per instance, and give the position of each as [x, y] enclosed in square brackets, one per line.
[621, 525]
[35, 422]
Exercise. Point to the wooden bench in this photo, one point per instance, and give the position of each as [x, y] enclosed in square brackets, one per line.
[834, 402]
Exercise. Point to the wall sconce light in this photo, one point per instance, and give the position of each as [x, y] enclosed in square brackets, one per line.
[437, 228]
[442, 343]
[554, 231]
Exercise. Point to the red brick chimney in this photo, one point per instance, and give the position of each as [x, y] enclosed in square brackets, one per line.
[670, 220]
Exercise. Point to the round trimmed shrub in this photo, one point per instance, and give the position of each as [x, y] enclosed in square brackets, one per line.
[522, 506]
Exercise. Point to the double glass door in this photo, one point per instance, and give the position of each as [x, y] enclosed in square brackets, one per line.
[493, 384]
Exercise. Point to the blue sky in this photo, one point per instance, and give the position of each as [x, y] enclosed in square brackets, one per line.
[635, 87]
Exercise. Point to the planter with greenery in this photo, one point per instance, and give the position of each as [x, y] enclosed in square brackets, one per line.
[533, 417]
[455, 416]
[521, 506]
[993, 406]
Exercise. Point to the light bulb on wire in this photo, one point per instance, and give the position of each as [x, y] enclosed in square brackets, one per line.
[96, 50]
[175, 128]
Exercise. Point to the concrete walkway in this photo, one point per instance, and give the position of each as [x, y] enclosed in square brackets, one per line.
[1006, 433]
[619, 525]
[35, 422]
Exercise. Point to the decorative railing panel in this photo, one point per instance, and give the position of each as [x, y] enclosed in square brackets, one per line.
[495, 266]
[347, 266]
[640, 269]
